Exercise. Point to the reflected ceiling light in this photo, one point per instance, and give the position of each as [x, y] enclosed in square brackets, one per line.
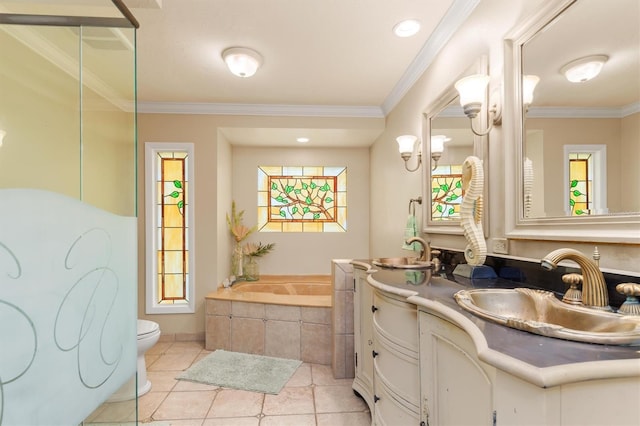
[472, 90]
[2, 135]
[529, 83]
[242, 61]
[406, 144]
[437, 148]
[406, 28]
[584, 69]
[302, 140]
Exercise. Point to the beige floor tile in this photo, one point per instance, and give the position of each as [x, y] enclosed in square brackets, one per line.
[173, 362]
[162, 381]
[293, 400]
[301, 377]
[185, 405]
[232, 421]
[180, 347]
[191, 422]
[290, 420]
[336, 399]
[115, 412]
[344, 419]
[149, 403]
[159, 348]
[236, 403]
[323, 375]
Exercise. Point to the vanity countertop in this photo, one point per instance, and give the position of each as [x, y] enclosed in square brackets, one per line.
[544, 361]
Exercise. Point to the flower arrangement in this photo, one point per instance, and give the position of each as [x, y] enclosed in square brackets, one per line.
[237, 228]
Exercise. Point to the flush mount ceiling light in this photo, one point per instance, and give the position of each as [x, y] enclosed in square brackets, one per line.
[406, 28]
[584, 69]
[242, 61]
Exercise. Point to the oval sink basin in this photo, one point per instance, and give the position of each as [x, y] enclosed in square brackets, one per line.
[401, 263]
[540, 312]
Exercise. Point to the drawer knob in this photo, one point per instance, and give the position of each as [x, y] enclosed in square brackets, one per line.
[373, 308]
[376, 398]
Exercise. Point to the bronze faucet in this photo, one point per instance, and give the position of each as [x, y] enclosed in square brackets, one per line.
[594, 287]
[426, 249]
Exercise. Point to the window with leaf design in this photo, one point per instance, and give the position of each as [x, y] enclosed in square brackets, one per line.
[446, 192]
[302, 199]
[170, 230]
[586, 177]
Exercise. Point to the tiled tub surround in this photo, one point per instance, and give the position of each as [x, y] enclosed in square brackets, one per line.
[268, 323]
[342, 360]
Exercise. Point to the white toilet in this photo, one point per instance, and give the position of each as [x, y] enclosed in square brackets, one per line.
[148, 335]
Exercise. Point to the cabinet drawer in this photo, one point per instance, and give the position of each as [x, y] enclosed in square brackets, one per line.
[396, 320]
[398, 371]
[390, 411]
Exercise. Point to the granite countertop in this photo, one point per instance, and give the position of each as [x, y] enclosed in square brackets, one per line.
[544, 361]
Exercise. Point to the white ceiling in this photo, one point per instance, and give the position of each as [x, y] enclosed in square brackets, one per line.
[328, 58]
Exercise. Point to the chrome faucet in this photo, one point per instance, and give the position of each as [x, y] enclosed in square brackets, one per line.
[594, 287]
[426, 249]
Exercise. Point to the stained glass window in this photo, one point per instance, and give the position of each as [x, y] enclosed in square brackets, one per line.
[169, 228]
[446, 192]
[302, 199]
[580, 183]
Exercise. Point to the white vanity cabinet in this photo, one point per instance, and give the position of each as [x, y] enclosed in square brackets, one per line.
[396, 374]
[363, 334]
[460, 389]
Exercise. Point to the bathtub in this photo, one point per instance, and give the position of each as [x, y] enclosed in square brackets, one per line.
[292, 290]
[287, 316]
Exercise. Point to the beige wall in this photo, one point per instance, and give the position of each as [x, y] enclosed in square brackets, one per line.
[629, 167]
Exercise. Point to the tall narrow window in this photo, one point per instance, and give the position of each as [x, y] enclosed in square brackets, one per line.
[169, 216]
[586, 179]
[446, 192]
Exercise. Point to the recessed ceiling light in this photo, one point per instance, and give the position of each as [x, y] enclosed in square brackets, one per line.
[302, 140]
[406, 28]
[584, 69]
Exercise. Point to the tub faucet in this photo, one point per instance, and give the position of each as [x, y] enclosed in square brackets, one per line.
[425, 252]
[594, 287]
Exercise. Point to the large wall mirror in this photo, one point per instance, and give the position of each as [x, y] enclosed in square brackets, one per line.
[578, 136]
[448, 141]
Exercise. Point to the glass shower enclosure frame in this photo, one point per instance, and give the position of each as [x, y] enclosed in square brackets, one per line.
[68, 213]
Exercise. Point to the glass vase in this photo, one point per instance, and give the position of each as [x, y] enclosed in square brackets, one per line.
[236, 262]
[252, 270]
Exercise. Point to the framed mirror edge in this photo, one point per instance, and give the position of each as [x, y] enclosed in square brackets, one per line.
[613, 228]
[480, 150]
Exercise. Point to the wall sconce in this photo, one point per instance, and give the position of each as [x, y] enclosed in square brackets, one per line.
[437, 148]
[2, 135]
[584, 69]
[529, 83]
[472, 90]
[405, 146]
[242, 61]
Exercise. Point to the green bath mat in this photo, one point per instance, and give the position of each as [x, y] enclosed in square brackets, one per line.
[242, 371]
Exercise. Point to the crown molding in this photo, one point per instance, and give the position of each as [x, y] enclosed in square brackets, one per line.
[586, 112]
[455, 16]
[261, 109]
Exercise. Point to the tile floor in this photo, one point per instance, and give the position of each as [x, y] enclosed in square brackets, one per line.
[311, 397]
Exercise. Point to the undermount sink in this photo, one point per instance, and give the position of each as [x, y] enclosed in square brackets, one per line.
[540, 312]
[401, 263]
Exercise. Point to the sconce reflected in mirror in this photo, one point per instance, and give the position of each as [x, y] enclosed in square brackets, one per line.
[406, 144]
[529, 83]
[2, 135]
[472, 90]
[437, 148]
